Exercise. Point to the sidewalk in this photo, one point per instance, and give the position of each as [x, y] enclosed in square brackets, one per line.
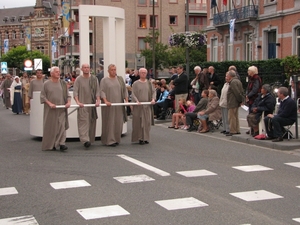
[285, 145]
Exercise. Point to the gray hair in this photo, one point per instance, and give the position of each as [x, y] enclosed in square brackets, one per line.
[284, 91]
[197, 68]
[231, 73]
[253, 69]
[267, 87]
[213, 92]
[111, 65]
[53, 68]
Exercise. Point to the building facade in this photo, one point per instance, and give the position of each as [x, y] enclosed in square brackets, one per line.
[263, 29]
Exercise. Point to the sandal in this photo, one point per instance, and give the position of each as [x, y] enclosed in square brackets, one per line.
[171, 127]
[203, 131]
[176, 128]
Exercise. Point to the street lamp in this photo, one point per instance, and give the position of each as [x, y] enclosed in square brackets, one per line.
[153, 38]
[187, 69]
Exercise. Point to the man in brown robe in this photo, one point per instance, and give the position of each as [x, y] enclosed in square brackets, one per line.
[36, 84]
[113, 90]
[25, 81]
[5, 86]
[55, 92]
[86, 91]
[142, 115]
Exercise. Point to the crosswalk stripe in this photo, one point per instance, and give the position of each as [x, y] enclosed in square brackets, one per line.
[21, 220]
[8, 191]
[102, 212]
[180, 203]
[144, 165]
[133, 178]
[70, 184]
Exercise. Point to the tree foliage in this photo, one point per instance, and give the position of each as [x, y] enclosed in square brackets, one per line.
[16, 56]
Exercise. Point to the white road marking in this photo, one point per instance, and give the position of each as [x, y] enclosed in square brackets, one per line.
[196, 173]
[22, 220]
[296, 219]
[133, 179]
[102, 212]
[181, 203]
[252, 168]
[145, 166]
[70, 184]
[8, 191]
[295, 164]
[258, 195]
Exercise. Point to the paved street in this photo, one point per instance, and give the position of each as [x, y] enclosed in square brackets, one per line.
[179, 178]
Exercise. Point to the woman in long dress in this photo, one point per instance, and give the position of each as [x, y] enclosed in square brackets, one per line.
[16, 95]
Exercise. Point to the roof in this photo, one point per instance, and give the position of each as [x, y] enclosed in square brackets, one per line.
[13, 15]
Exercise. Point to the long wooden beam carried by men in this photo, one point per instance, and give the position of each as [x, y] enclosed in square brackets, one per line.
[112, 104]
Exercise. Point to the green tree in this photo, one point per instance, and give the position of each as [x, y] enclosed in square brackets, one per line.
[16, 56]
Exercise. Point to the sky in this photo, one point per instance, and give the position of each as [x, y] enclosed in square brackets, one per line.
[16, 3]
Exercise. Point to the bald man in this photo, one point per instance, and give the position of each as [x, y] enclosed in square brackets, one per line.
[86, 91]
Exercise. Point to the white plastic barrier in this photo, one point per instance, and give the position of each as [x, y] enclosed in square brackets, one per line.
[37, 112]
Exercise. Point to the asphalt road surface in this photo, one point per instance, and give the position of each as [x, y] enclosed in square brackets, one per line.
[179, 178]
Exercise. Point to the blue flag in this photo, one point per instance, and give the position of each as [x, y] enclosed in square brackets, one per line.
[213, 4]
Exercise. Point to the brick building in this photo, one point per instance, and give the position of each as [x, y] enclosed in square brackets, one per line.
[263, 29]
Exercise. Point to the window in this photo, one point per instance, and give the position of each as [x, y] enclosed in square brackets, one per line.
[155, 2]
[214, 50]
[173, 1]
[173, 20]
[197, 23]
[155, 21]
[298, 41]
[142, 21]
[13, 34]
[271, 44]
[248, 47]
[142, 2]
[229, 49]
[269, 1]
[141, 43]
[247, 2]
[41, 49]
[21, 34]
[6, 35]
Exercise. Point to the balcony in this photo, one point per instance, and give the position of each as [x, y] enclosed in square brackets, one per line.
[198, 8]
[74, 50]
[197, 27]
[76, 3]
[240, 14]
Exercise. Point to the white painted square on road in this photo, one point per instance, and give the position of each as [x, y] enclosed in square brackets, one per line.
[252, 168]
[196, 173]
[181, 203]
[102, 212]
[296, 219]
[258, 195]
[295, 164]
[8, 191]
[22, 220]
[298, 186]
[133, 179]
[70, 184]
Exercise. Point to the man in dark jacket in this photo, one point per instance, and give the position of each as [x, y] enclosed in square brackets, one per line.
[181, 86]
[213, 78]
[235, 97]
[287, 115]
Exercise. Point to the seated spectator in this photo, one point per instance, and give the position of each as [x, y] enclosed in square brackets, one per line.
[287, 115]
[292, 90]
[212, 112]
[190, 108]
[169, 102]
[178, 115]
[190, 117]
[265, 102]
[160, 102]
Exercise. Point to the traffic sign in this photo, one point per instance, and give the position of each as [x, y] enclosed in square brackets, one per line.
[38, 64]
[4, 67]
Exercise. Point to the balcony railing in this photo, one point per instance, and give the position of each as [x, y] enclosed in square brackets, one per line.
[197, 27]
[76, 26]
[197, 6]
[75, 49]
[81, 2]
[243, 13]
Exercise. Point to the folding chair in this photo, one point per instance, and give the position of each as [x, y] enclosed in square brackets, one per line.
[287, 132]
[169, 113]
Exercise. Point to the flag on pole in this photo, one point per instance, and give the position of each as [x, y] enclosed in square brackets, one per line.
[224, 2]
[231, 30]
[53, 48]
[66, 17]
[28, 38]
[213, 4]
[6, 45]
